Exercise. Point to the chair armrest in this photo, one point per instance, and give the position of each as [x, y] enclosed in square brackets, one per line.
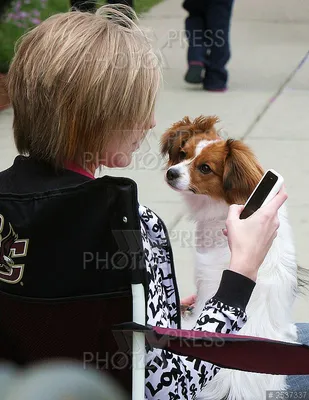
[245, 353]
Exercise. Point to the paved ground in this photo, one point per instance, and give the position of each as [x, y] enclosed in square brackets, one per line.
[267, 105]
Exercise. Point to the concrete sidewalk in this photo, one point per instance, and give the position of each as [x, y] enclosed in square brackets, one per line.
[266, 105]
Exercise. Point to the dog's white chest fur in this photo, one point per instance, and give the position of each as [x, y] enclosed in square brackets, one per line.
[270, 307]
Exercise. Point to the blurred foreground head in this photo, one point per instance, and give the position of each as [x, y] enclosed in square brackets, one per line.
[56, 381]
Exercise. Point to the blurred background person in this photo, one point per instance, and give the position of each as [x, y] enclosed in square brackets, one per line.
[207, 30]
[90, 6]
[84, 5]
[4, 5]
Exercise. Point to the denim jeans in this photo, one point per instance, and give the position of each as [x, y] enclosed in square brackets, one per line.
[300, 382]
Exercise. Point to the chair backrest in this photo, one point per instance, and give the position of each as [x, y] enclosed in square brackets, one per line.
[67, 262]
[79, 329]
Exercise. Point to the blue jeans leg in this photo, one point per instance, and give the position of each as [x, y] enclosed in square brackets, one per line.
[300, 382]
[195, 35]
[217, 20]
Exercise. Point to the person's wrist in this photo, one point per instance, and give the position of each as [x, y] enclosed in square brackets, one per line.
[244, 267]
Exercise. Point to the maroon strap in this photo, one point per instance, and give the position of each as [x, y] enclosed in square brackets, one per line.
[245, 353]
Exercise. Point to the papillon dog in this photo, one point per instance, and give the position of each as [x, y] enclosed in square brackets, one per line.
[212, 173]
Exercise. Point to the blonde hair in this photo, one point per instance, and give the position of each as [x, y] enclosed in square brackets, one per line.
[77, 79]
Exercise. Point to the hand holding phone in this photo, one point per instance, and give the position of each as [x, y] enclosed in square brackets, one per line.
[265, 191]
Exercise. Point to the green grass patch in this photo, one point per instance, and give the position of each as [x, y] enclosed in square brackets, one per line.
[10, 32]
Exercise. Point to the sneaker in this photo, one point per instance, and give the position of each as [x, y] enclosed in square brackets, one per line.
[195, 73]
[215, 80]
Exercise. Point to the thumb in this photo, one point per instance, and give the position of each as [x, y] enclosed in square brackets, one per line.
[234, 212]
[277, 201]
[188, 301]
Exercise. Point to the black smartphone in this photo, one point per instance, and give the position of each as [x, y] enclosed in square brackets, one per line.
[265, 191]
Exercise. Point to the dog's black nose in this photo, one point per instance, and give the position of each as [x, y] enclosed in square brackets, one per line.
[172, 174]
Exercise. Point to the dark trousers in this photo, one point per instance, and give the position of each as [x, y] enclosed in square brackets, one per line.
[127, 2]
[208, 29]
[89, 5]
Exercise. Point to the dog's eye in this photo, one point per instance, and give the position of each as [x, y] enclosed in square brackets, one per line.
[205, 169]
[182, 155]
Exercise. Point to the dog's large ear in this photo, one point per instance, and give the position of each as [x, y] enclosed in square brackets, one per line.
[242, 172]
[175, 138]
[173, 133]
